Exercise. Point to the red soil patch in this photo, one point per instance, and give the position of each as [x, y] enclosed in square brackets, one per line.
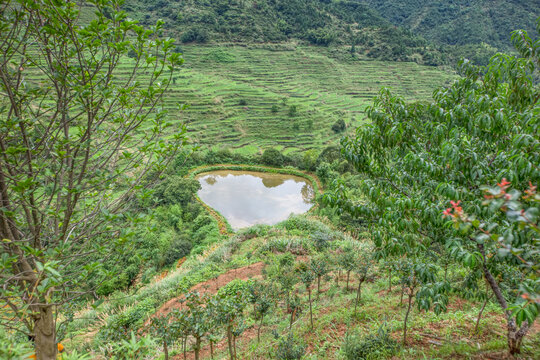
[212, 286]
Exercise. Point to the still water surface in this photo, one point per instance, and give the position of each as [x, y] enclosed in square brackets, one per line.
[246, 198]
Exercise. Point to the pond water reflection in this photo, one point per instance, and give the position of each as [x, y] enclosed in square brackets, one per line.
[246, 198]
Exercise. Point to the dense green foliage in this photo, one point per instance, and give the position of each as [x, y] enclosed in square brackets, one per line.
[76, 142]
[417, 157]
[461, 22]
[315, 22]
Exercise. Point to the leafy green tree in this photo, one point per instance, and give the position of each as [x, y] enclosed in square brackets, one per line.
[307, 276]
[261, 298]
[198, 318]
[416, 157]
[348, 261]
[165, 329]
[522, 219]
[73, 149]
[293, 110]
[272, 157]
[339, 126]
[229, 311]
[262, 308]
[362, 267]
[319, 266]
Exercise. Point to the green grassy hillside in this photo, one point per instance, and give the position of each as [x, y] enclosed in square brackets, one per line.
[263, 255]
[253, 97]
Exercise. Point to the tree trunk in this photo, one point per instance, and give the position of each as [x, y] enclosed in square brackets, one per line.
[390, 280]
[45, 334]
[358, 294]
[212, 349]
[480, 314]
[411, 294]
[515, 336]
[292, 319]
[318, 286]
[402, 292]
[165, 350]
[184, 346]
[234, 346]
[197, 347]
[310, 309]
[348, 276]
[259, 329]
[229, 342]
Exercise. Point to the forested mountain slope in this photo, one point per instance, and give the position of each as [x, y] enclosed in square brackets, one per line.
[461, 22]
[339, 23]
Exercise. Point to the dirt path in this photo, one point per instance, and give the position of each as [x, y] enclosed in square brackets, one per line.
[212, 286]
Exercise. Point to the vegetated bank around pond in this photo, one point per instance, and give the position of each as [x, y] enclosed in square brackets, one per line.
[224, 226]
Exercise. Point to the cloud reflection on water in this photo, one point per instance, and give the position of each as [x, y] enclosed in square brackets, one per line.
[248, 198]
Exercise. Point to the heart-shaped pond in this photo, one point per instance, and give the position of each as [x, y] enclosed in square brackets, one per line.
[246, 198]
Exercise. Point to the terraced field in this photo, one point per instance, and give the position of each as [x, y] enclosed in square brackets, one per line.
[241, 96]
[244, 96]
[249, 98]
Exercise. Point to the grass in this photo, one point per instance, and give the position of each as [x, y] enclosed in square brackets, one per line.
[447, 336]
[231, 90]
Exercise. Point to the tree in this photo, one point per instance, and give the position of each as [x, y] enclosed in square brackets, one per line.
[272, 157]
[307, 276]
[416, 157]
[229, 311]
[73, 149]
[198, 319]
[165, 329]
[339, 126]
[319, 266]
[348, 261]
[522, 220]
[362, 269]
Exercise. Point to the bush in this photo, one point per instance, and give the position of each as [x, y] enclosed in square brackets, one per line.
[275, 108]
[321, 37]
[195, 34]
[321, 240]
[176, 190]
[339, 126]
[293, 110]
[272, 157]
[290, 349]
[178, 249]
[374, 346]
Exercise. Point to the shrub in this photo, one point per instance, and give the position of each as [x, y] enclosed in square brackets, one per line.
[373, 346]
[275, 108]
[178, 249]
[290, 349]
[321, 240]
[293, 110]
[242, 102]
[321, 37]
[176, 190]
[195, 34]
[339, 126]
[272, 157]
